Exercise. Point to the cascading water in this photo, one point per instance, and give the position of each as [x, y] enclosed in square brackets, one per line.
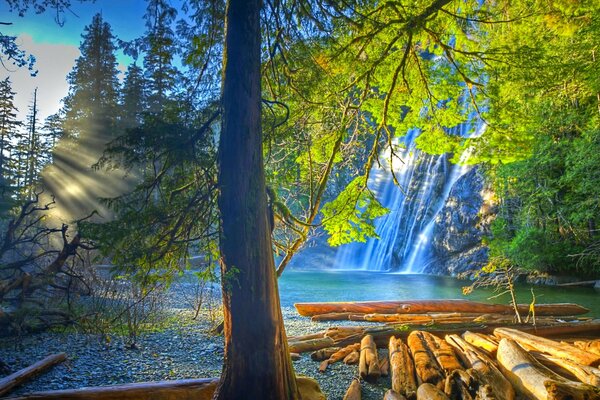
[405, 233]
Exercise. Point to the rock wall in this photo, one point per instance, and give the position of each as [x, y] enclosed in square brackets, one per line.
[461, 226]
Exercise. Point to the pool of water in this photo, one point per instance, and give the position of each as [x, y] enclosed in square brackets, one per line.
[320, 285]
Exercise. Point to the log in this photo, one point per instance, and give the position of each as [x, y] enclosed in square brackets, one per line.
[533, 380]
[303, 338]
[481, 341]
[457, 385]
[583, 373]
[391, 395]
[426, 366]
[368, 364]
[593, 346]
[323, 366]
[352, 358]
[186, 389]
[384, 366]
[353, 392]
[427, 391]
[323, 354]
[402, 369]
[425, 306]
[343, 336]
[13, 380]
[332, 317]
[295, 356]
[344, 352]
[492, 384]
[557, 349]
[311, 345]
[443, 352]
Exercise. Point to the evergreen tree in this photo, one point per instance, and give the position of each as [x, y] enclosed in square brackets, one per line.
[9, 131]
[133, 97]
[160, 46]
[91, 105]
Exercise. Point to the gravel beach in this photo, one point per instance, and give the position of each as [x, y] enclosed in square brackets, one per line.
[185, 349]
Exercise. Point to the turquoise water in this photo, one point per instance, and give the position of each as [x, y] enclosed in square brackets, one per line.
[308, 286]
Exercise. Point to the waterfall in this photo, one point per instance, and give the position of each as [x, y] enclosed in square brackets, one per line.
[406, 232]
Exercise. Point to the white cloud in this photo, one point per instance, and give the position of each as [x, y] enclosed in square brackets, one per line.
[54, 62]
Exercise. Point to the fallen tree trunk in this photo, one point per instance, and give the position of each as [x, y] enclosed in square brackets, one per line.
[402, 369]
[311, 344]
[187, 389]
[557, 349]
[427, 306]
[368, 365]
[492, 384]
[13, 380]
[426, 366]
[534, 380]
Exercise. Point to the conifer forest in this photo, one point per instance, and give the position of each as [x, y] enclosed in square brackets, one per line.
[300, 199]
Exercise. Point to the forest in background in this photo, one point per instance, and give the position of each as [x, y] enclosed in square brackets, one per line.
[338, 85]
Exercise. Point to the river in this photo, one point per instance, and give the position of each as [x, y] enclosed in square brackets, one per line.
[325, 285]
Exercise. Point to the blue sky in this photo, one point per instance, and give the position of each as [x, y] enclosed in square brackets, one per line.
[56, 47]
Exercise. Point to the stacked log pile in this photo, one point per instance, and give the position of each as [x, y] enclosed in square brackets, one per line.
[440, 354]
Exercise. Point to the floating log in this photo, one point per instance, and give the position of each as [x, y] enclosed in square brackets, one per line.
[561, 350]
[353, 392]
[534, 380]
[391, 395]
[580, 283]
[368, 365]
[593, 346]
[323, 354]
[186, 389]
[583, 373]
[13, 380]
[481, 341]
[427, 391]
[427, 368]
[427, 306]
[402, 368]
[492, 384]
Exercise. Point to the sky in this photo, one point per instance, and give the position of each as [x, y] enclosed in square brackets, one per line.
[56, 47]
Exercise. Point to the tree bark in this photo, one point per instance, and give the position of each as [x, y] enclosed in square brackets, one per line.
[257, 364]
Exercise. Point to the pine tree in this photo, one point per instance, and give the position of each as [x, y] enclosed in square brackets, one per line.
[9, 132]
[160, 48]
[91, 105]
[133, 97]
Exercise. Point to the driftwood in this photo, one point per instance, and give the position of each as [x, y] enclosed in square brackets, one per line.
[310, 344]
[368, 365]
[557, 349]
[426, 366]
[481, 341]
[352, 358]
[187, 389]
[583, 373]
[593, 346]
[295, 356]
[533, 380]
[13, 380]
[426, 306]
[353, 392]
[323, 354]
[391, 395]
[384, 366]
[427, 391]
[344, 352]
[457, 385]
[402, 369]
[491, 382]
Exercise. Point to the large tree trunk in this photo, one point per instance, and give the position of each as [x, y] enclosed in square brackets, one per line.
[257, 364]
